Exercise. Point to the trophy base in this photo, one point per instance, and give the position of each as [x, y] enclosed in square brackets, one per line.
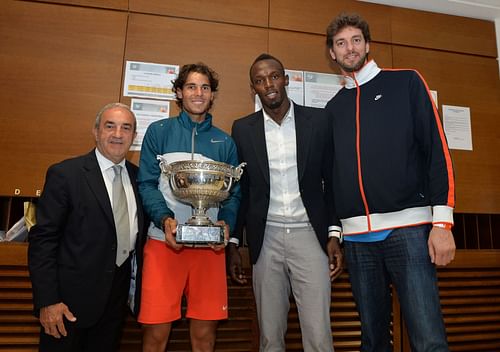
[199, 234]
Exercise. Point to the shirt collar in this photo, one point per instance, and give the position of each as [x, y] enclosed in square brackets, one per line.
[105, 163]
[365, 74]
[290, 115]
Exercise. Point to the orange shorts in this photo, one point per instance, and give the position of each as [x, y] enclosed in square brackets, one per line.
[167, 275]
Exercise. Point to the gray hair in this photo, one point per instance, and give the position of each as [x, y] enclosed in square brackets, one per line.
[112, 106]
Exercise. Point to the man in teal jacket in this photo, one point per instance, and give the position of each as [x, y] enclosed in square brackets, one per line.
[170, 269]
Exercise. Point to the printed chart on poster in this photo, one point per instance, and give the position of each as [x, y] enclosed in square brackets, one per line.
[146, 112]
[149, 80]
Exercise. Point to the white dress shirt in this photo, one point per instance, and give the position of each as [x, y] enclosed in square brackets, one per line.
[106, 167]
[285, 203]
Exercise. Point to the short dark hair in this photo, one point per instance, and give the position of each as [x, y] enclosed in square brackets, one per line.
[346, 20]
[199, 67]
[265, 56]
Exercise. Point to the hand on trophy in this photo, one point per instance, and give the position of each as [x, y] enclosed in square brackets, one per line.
[170, 228]
[203, 184]
[220, 246]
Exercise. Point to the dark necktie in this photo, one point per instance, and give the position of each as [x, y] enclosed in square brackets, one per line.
[120, 214]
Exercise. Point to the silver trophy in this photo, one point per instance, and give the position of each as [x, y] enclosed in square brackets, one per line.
[203, 185]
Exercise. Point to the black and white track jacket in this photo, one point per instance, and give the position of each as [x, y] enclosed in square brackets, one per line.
[392, 166]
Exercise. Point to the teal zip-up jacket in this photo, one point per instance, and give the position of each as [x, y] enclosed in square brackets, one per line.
[173, 138]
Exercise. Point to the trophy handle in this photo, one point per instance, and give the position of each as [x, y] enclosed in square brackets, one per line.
[235, 174]
[237, 171]
[165, 167]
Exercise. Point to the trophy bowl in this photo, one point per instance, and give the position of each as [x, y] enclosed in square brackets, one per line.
[201, 184]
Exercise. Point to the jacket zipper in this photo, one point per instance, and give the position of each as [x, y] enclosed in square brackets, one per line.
[358, 153]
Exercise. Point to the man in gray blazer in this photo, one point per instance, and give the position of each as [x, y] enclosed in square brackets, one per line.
[286, 210]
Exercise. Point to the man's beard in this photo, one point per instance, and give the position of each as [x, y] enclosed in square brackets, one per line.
[356, 67]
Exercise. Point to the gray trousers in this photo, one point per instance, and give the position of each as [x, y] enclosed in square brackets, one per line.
[291, 260]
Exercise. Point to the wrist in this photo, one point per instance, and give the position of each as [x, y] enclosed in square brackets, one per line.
[335, 234]
[163, 221]
[232, 248]
[443, 225]
[235, 241]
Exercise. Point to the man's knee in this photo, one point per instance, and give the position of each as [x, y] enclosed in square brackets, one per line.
[155, 336]
[203, 334]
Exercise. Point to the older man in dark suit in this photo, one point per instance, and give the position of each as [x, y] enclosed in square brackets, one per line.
[87, 238]
[286, 208]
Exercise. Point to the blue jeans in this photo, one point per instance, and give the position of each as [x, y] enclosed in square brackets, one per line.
[403, 260]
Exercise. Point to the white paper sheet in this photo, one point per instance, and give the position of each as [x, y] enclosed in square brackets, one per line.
[146, 112]
[149, 80]
[319, 88]
[457, 127]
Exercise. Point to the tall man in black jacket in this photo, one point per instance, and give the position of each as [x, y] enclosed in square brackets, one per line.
[286, 209]
[80, 278]
[394, 190]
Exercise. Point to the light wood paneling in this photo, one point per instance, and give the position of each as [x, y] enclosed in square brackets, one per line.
[300, 51]
[107, 4]
[228, 49]
[470, 300]
[19, 329]
[313, 16]
[472, 81]
[59, 66]
[443, 32]
[469, 289]
[308, 52]
[65, 60]
[247, 12]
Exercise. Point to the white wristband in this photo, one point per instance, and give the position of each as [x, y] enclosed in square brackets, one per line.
[336, 234]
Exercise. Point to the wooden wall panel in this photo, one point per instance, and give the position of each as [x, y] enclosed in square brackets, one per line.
[300, 51]
[469, 290]
[247, 12]
[443, 32]
[470, 300]
[308, 52]
[56, 74]
[313, 16]
[107, 4]
[19, 329]
[226, 48]
[472, 81]
[61, 60]
[65, 60]
[382, 54]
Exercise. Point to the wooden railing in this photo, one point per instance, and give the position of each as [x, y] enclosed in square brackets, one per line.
[470, 299]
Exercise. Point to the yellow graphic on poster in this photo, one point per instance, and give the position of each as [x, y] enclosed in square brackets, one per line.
[149, 80]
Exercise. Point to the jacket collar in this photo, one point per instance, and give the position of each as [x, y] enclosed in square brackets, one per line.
[365, 74]
[186, 122]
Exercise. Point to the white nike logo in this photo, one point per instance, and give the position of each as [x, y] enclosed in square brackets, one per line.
[224, 307]
[378, 96]
[216, 140]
